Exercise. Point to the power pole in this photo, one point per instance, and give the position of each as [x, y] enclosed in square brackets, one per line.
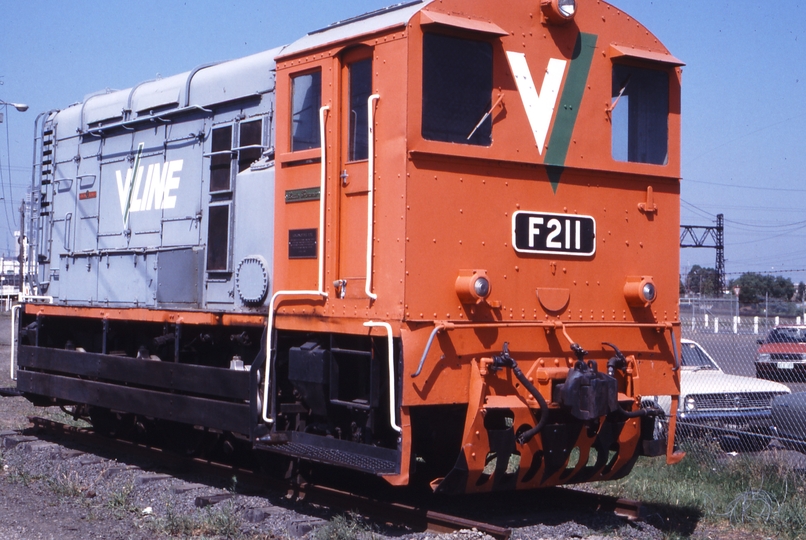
[22, 249]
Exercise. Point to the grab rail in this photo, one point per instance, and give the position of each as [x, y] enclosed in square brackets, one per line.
[391, 357]
[321, 251]
[371, 194]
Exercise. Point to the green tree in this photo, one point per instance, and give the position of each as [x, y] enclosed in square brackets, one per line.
[702, 281]
[754, 288]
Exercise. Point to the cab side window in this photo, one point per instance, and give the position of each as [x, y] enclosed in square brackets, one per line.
[306, 99]
[457, 89]
[640, 115]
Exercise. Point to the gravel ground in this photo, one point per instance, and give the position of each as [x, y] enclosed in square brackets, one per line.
[49, 491]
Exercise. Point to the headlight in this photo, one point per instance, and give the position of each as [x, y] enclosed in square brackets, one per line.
[763, 357]
[690, 404]
[567, 7]
[472, 286]
[559, 11]
[640, 291]
[649, 291]
[482, 286]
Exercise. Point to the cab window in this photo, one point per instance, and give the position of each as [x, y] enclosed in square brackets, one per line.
[639, 111]
[457, 89]
[306, 99]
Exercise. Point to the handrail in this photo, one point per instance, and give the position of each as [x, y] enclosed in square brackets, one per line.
[15, 335]
[444, 325]
[391, 357]
[322, 193]
[371, 194]
[14, 341]
[321, 253]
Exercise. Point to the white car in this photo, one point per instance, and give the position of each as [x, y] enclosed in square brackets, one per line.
[733, 409]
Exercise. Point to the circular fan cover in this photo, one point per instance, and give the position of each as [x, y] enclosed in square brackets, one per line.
[252, 280]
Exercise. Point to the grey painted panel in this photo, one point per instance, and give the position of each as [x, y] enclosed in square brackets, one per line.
[181, 232]
[158, 94]
[128, 279]
[68, 121]
[78, 279]
[179, 276]
[247, 76]
[253, 233]
[219, 291]
[87, 186]
[101, 107]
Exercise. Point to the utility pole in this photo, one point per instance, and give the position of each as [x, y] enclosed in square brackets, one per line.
[22, 249]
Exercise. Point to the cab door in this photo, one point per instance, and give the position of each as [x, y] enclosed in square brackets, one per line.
[356, 85]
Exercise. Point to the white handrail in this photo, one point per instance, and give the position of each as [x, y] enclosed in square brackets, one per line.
[322, 193]
[321, 253]
[14, 343]
[391, 356]
[15, 335]
[371, 195]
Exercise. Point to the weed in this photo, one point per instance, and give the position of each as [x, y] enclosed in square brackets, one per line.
[177, 524]
[221, 521]
[120, 500]
[21, 476]
[216, 521]
[65, 484]
[342, 527]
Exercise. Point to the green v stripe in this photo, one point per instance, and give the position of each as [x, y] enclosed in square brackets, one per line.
[568, 108]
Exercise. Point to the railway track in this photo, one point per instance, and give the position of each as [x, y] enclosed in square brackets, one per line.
[505, 510]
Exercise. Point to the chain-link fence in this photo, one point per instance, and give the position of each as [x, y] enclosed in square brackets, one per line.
[743, 380]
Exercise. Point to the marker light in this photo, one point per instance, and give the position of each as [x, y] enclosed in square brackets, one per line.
[640, 291]
[559, 11]
[472, 286]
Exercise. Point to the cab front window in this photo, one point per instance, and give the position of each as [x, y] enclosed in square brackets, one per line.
[457, 89]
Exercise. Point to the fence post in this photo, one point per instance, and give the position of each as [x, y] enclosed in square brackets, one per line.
[706, 321]
[735, 324]
[716, 325]
[755, 324]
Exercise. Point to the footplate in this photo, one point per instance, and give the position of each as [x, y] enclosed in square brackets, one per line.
[359, 457]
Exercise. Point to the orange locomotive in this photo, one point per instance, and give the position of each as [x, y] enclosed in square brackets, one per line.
[469, 277]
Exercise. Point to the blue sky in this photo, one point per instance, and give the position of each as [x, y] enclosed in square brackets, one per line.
[744, 93]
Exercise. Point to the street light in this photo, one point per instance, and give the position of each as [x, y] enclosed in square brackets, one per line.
[22, 107]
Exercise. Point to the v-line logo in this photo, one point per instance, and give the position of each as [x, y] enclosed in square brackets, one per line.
[552, 104]
[155, 192]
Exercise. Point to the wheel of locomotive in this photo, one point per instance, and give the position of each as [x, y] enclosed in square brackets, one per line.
[180, 438]
[104, 421]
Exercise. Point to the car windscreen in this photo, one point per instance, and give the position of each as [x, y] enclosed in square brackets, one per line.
[786, 335]
[694, 356]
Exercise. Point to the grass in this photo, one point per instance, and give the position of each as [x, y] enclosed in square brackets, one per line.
[65, 484]
[743, 492]
[120, 501]
[221, 521]
[342, 527]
